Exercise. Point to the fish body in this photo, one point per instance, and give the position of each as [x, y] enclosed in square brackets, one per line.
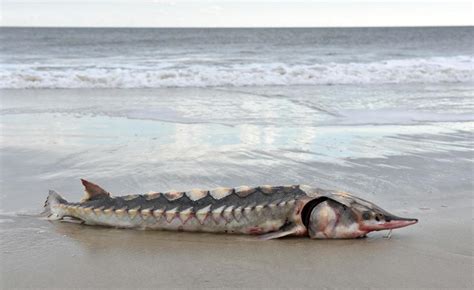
[269, 211]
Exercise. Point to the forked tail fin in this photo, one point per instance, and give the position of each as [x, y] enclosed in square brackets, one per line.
[53, 199]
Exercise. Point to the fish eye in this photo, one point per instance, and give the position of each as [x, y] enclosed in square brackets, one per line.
[366, 215]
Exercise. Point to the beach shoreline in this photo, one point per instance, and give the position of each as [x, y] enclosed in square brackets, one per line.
[371, 141]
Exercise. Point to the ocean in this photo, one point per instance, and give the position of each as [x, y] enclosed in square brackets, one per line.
[156, 58]
[384, 113]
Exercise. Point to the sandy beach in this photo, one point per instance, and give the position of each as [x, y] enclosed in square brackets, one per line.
[411, 157]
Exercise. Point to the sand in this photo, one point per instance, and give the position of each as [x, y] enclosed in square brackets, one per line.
[139, 140]
[435, 253]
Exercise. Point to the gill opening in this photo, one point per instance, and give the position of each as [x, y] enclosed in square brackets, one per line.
[308, 208]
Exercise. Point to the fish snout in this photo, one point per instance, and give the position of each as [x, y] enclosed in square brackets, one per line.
[389, 222]
[395, 222]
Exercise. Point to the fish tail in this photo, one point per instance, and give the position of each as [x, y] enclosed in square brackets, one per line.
[50, 205]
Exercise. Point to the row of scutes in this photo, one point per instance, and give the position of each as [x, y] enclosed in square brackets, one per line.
[217, 193]
[226, 213]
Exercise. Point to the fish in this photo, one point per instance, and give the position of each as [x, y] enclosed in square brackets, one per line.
[270, 212]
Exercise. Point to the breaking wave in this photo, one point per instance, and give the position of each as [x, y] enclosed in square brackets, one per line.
[414, 70]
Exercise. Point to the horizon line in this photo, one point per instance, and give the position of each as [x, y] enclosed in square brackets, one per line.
[241, 27]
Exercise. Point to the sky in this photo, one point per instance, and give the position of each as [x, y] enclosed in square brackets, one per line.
[234, 13]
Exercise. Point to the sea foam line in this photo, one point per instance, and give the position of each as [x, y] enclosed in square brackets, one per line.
[414, 70]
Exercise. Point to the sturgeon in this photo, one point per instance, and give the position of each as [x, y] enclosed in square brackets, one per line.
[268, 211]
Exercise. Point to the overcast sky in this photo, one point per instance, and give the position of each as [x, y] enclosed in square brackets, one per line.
[226, 13]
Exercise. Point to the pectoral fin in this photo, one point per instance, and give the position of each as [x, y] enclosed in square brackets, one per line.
[284, 231]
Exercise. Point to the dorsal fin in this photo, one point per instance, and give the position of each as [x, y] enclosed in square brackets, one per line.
[93, 191]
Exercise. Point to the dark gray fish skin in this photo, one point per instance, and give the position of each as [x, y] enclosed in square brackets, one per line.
[271, 211]
[278, 194]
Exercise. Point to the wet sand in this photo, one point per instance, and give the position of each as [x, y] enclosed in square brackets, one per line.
[141, 140]
[436, 253]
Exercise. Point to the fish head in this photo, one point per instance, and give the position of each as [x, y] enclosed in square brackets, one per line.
[346, 216]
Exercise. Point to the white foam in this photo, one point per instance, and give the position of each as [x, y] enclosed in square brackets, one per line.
[414, 70]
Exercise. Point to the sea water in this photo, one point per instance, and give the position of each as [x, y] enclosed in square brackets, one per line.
[155, 58]
[385, 113]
